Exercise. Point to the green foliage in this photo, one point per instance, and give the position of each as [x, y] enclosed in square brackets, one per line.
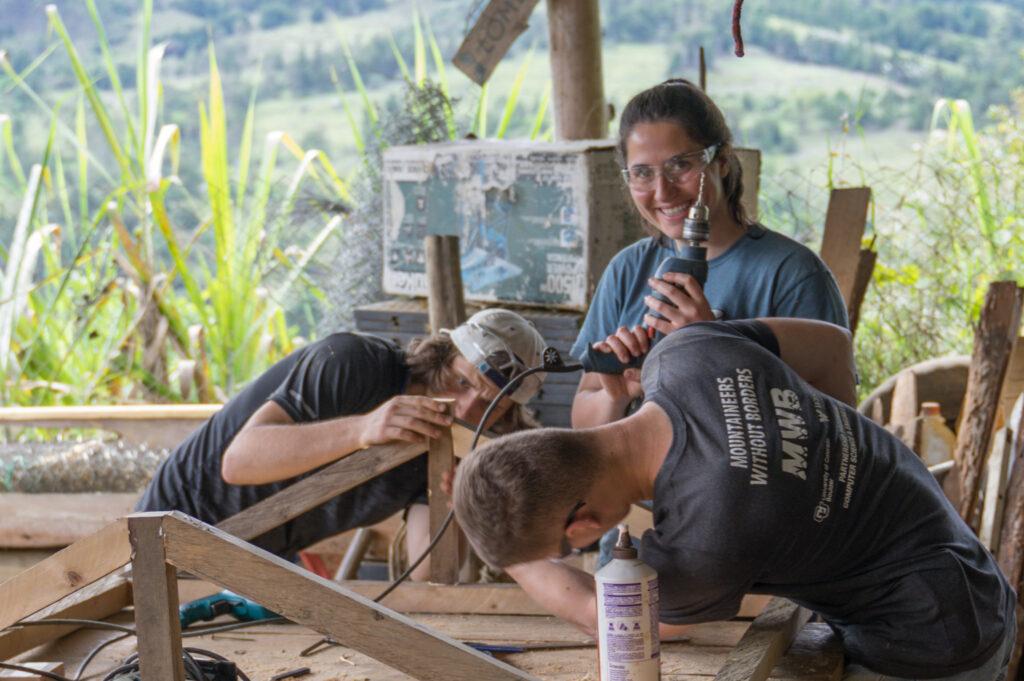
[132, 300]
[956, 225]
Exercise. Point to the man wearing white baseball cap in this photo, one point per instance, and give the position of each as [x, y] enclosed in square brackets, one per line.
[339, 395]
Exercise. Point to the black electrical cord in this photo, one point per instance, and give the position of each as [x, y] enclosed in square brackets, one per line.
[84, 624]
[552, 363]
[97, 649]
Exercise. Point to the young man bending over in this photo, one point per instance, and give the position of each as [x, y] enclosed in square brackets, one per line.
[334, 397]
[764, 480]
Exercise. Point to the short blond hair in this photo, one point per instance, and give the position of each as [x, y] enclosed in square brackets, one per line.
[511, 492]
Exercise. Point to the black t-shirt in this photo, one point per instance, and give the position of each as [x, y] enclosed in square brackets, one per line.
[341, 375]
[772, 487]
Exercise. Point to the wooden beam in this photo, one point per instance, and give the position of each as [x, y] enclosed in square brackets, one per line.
[320, 604]
[37, 416]
[750, 162]
[904, 407]
[446, 305]
[1011, 538]
[37, 521]
[577, 80]
[51, 667]
[865, 270]
[997, 331]
[996, 471]
[765, 642]
[1013, 384]
[844, 228]
[156, 601]
[446, 599]
[310, 492]
[462, 438]
[97, 601]
[444, 559]
[65, 572]
[501, 22]
[158, 425]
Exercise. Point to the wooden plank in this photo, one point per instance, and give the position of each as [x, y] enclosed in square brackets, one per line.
[1011, 538]
[155, 582]
[996, 472]
[861, 280]
[52, 667]
[577, 83]
[35, 521]
[96, 602]
[997, 331]
[324, 606]
[445, 599]
[310, 492]
[750, 161]
[501, 22]
[765, 642]
[462, 438]
[904, 407]
[1013, 383]
[73, 415]
[65, 572]
[444, 559]
[156, 425]
[445, 303]
[816, 654]
[844, 228]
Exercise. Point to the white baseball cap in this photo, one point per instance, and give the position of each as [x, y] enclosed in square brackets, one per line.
[502, 345]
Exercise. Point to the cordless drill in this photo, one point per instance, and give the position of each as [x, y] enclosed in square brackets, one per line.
[691, 258]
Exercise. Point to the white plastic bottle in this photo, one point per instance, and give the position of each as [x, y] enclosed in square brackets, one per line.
[627, 616]
[935, 441]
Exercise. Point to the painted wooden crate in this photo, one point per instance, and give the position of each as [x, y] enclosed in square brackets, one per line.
[537, 222]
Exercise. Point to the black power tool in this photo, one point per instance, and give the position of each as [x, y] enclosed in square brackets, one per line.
[691, 258]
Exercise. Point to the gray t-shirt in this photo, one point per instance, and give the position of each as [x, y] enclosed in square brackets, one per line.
[772, 487]
[341, 375]
[764, 274]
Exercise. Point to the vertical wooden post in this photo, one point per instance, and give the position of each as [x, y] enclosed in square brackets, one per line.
[750, 162]
[444, 559]
[865, 268]
[844, 228]
[574, 30]
[703, 71]
[155, 590]
[445, 303]
[993, 342]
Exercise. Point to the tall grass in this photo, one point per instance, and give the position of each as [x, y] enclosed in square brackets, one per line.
[949, 226]
[135, 299]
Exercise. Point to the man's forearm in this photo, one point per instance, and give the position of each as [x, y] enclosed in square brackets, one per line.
[564, 591]
[272, 452]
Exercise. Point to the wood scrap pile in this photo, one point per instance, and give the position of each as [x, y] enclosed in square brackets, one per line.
[982, 402]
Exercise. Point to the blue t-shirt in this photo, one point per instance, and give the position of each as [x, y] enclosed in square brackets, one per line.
[764, 274]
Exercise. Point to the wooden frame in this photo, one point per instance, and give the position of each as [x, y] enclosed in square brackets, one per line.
[766, 641]
[315, 602]
[157, 543]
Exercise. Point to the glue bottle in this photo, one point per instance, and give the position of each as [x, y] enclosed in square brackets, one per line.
[627, 616]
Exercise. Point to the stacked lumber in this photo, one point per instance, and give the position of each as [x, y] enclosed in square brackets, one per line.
[402, 320]
[986, 483]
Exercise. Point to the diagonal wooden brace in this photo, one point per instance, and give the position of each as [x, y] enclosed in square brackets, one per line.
[324, 606]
